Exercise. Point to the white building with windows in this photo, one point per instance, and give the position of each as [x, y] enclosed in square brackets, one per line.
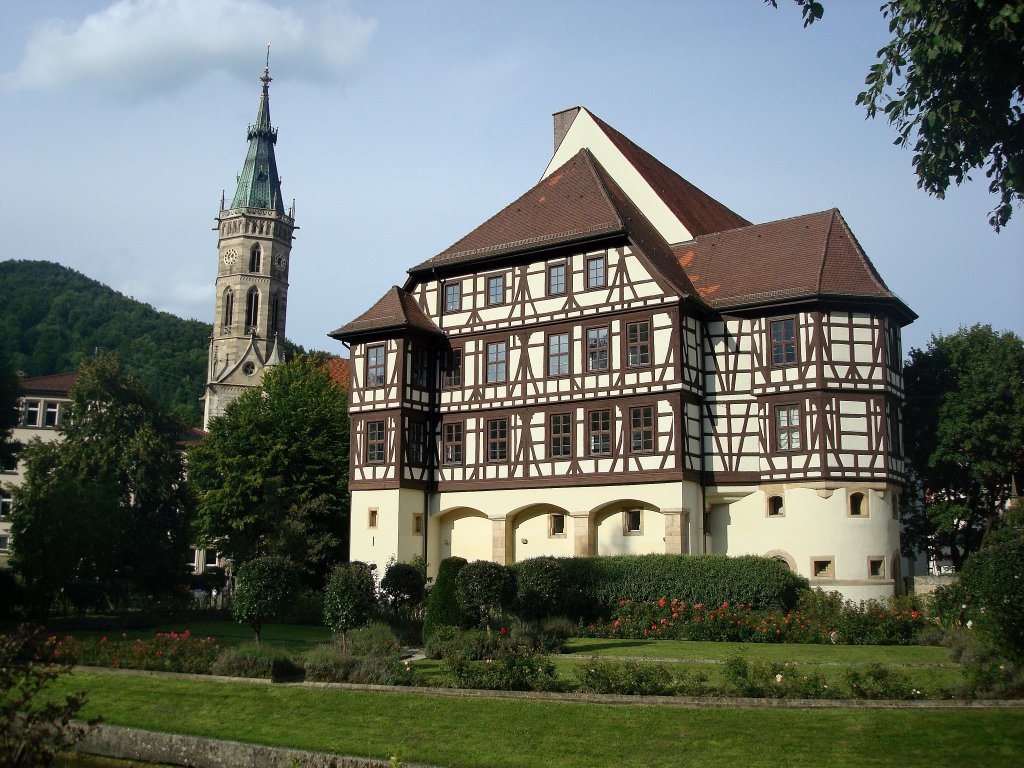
[618, 363]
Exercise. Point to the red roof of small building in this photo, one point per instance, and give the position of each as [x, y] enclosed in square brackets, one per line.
[395, 310]
[53, 384]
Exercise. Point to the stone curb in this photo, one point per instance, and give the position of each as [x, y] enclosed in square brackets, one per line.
[125, 743]
[668, 660]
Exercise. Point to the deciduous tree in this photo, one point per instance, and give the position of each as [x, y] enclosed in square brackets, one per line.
[272, 474]
[9, 391]
[963, 436]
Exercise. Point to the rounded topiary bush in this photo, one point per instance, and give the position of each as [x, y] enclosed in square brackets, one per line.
[403, 585]
[485, 588]
[443, 608]
[349, 597]
[264, 588]
[541, 588]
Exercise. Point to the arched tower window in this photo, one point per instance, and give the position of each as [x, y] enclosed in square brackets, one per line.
[275, 304]
[252, 311]
[255, 257]
[229, 309]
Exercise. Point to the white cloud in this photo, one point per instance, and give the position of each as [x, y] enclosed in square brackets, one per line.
[139, 48]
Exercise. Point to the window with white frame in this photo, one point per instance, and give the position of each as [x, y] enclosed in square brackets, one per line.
[30, 416]
[5, 544]
[51, 415]
[453, 297]
[597, 272]
[6, 503]
[556, 279]
[495, 290]
[787, 428]
[375, 366]
[497, 362]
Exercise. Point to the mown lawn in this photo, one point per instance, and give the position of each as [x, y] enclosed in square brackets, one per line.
[487, 732]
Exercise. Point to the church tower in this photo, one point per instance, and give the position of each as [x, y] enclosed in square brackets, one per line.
[253, 250]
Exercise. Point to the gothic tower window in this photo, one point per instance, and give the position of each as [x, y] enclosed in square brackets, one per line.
[255, 257]
[252, 310]
[229, 309]
[274, 307]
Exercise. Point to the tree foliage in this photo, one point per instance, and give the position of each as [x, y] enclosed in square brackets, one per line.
[264, 588]
[272, 474]
[108, 500]
[963, 436]
[9, 392]
[951, 81]
[485, 588]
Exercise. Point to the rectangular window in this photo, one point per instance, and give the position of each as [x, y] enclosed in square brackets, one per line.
[5, 544]
[416, 444]
[420, 367]
[597, 272]
[6, 503]
[600, 433]
[638, 344]
[876, 567]
[561, 435]
[556, 524]
[641, 429]
[783, 341]
[417, 523]
[375, 442]
[453, 370]
[453, 297]
[597, 349]
[375, 366]
[497, 440]
[495, 290]
[558, 354]
[892, 414]
[50, 416]
[453, 443]
[371, 517]
[497, 362]
[556, 279]
[787, 428]
[31, 415]
[632, 522]
[823, 567]
[893, 346]
[210, 558]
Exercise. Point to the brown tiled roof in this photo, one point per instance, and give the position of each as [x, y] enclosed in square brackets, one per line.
[811, 255]
[567, 206]
[396, 310]
[193, 436]
[338, 370]
[700, 213]
[56, 383]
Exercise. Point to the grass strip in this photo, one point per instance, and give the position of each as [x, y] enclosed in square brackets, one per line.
[485, 732]
[796, 653]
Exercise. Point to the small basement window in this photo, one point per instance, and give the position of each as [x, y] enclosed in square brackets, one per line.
[632, 522]
[858, 507]
[876, 567]
[556, 525]
[824, 568]
[417, 523]
[372, 518]
[775, 507]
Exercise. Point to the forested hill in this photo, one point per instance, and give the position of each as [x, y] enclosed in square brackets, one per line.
[52, 316]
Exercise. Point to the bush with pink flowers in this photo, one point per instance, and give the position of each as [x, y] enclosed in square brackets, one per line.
[165, 651]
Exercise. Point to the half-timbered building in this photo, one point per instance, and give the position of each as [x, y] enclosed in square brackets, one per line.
[618, 363]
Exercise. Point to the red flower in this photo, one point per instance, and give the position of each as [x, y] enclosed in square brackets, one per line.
[504, 631]
[661, 603]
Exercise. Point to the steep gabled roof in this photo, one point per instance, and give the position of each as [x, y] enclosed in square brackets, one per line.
[700, 213]
[811, 255]
[55, 383]
[396, 310]
[568, 206]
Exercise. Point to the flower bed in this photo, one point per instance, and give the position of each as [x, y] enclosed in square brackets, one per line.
[673, 619]
[166, 651]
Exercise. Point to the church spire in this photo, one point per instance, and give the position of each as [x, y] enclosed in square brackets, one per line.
[259, 186]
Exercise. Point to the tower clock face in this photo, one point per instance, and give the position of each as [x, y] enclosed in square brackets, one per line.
[230, 258]
[280, 262]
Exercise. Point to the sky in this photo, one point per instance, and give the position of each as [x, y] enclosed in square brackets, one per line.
[403, 125]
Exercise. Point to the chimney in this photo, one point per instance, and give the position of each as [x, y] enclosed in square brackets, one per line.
[563, 120]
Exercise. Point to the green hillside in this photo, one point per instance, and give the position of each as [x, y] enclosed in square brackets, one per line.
[52, 316]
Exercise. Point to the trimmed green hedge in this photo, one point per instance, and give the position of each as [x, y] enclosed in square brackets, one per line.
[443, 607]
[708, 579]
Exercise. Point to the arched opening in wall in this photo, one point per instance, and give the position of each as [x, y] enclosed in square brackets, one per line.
[858, 505]
[538, 530]
[628, 527]
[255, 258]
[229, 310]
[275, 303]
[783, 558]
[252, 311]
[465, 532]
[776, 507]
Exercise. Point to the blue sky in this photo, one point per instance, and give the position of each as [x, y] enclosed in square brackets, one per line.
[403, 125]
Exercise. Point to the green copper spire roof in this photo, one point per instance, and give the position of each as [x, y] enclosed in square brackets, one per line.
[259, 186]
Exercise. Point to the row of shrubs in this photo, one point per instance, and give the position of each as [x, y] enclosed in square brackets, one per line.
[581, 587]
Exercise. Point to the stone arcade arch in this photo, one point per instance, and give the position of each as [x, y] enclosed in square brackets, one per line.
[538, 530]
[627, 527]
[463, 532]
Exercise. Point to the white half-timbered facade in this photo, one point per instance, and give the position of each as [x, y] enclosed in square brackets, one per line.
[617, 363]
